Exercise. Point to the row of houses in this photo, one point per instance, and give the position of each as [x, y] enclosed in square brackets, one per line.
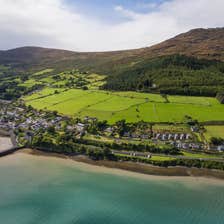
[172, 136]
[161, 136]
[186, 145]
[135, 135]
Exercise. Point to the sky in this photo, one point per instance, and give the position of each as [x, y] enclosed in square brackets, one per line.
[102, 25]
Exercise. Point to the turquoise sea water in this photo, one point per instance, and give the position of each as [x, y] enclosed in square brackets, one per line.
[36, 190]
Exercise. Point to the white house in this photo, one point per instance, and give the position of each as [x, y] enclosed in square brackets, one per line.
[220, 148]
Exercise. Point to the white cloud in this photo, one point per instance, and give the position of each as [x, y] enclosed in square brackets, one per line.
[50, 23]
[126, 13]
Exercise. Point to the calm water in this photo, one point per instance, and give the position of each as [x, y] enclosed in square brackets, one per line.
[36, 190]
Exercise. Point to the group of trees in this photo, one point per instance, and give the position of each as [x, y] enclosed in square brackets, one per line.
[176, 74]
[50, 141]
[176, 162]
[10, 88]
[216, 141]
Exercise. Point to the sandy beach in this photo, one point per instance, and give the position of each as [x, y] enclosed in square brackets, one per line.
[5, 143]
[127, 168]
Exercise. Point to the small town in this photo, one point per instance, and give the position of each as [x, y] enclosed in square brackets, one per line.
[25, 123]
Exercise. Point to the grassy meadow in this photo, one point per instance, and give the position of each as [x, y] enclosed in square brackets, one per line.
[132, 106]
[214, 131]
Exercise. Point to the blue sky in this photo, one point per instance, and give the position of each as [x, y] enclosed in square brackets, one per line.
[104, 9]
[102, 25]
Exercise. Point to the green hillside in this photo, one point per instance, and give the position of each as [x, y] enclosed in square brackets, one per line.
[175, 74]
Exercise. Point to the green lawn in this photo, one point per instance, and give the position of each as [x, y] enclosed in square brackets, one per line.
[44, 93]
[116, 103]
[170, 128]
[30, 83]
[136, 95]
[206, 101]
[153, 158]
[201, 155]
[162, 158]
[132, 106]
[214, 131]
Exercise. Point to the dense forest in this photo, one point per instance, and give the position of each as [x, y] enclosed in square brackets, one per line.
[175, 74]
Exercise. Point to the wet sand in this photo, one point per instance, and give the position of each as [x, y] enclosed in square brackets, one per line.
[131, 169]
[5, 143]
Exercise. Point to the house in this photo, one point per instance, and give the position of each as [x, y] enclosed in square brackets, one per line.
[164, 137]
[194, 128]
[70, 128]
[127, 134]
[109, 130]
[176, 136]
[185, 146]
[195, 146]
[220, 148]
[182, 137]
[133, 135]
[80, 127]
[144, 137]
[90, 119]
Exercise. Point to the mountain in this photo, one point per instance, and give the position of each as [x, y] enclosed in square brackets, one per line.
[191, 63]
[199, 43]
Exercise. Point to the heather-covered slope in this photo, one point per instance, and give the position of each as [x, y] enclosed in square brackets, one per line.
[201, 43]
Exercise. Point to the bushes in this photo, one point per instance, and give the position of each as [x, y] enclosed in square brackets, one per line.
[70, 148]
[216, 141]
[169, 150]
[178, 162]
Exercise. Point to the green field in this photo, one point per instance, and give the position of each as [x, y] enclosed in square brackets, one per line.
[201, 155]
[171, 128]
[30, 83]
[214, 131]
[132, 106]
[153, 158]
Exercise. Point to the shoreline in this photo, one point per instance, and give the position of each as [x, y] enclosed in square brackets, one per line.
[137, 168]
[5, 143]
